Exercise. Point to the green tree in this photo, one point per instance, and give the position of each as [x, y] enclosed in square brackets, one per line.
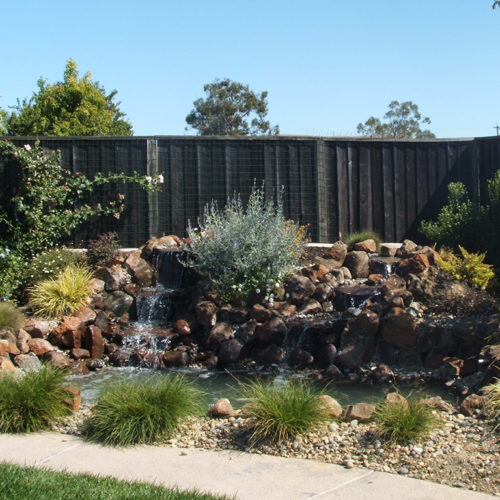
[402, 121]
[496, 3]
[75, 106]
[230, 108]
[3, 122]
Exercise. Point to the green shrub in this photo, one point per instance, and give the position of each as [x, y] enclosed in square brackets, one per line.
[142, 412]
[492, 406]
[354, 238]
[401, 423]
[11, 318]
[33, 401]
[68, 292]
[102, 249]
[51, 263]
[470, 267]
[245, 250]
[276, 413]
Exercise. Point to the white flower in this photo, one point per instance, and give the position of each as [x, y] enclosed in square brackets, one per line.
[27, 147]
[148, 179]
[257, 290]
[160, 179]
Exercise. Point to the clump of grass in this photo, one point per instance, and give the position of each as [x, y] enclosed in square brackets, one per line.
[19, 483]
[492, 406]
[277, 413]
[353, 238]
[54, 298]
[143, 411]
[33, 401]
[401, 423]
[11, 318]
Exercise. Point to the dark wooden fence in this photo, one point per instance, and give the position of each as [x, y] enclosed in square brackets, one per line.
[336, 186]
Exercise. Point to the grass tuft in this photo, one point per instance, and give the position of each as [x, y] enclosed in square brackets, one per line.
[277, 413]
[353, 238]
[33, 401]
[142, 411]
[11, 318]
[19, 483]
[492, 406]
[54, 298]
[401, 423]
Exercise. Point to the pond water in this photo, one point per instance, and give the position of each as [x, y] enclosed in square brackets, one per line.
[219, 384]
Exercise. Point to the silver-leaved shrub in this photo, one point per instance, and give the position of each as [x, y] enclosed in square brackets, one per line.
[241, 250]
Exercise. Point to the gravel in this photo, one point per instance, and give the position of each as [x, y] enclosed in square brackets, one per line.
[464, 452]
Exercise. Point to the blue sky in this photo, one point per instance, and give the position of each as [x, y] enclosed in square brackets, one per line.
[327, 65]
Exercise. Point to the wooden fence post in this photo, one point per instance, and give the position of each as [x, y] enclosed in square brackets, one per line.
[153, 197]
[321, 193]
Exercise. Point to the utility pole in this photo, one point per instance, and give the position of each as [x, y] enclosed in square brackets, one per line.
[497, 127]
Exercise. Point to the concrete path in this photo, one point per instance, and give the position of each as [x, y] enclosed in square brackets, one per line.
[246, 476]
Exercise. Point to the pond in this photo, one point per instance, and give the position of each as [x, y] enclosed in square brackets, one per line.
[221, 384]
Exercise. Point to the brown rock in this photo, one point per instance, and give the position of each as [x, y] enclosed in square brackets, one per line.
[414, 265]
[452, 366]
[170, 241]
[182, 327]
[38, 328]
[140, 270]
[437, 403]
[332, 406]
[118, 302]
[97, 285]
[229, 352]
[269, 355]
[40, 346]
[367, 321]
[271, 332]
[299, 358]
[176, 358]
[299, 288]
[358, 264]
[114, 277]
[22, 341]
[93, 341]
[393, 282]
[406, 249]
[233, 314]
[206, 313]
[245, 332]
[86, 315]
[389, 249]
[219, 333]
[399, 328]
[260, 313]
[79, 368]
[68, 334]
[28, 362]
[9, 343]
[80, 353]
[363, 412]
[285, 309]
[471, 403]
[311, 307]
[6, 365]
[4, 347]
[337, 254]
[368, 246]
[221, 408]
[394, 398]
[57, 359]
[74, 399]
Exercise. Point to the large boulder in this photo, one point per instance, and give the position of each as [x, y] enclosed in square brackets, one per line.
[141, 271]
[332, 406]
[93, 341]
[363, 412]
[229, 352]
[271, 332]
[368, 246]
[57, 359]
[176, 358]
[40, 346]
[221, 408]
[358, 264]
[28, 362]
[299, 289]
[114, 277]
[299, 358]
[269, 355]
[118, 302]
[22, 341]
[219, 333]
[399, 328]
[68, 334]
[206, 313]
[336, 255]
[9, 343]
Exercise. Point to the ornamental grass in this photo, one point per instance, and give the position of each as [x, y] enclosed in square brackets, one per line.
[33, 401]
[492, 406]
[142, 411]
[357, 237]
[276, 413]
[11, 318]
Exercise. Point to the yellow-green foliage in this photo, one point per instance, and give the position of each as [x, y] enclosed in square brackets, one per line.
[11, 318]
[54, 298]
[470, 267]
[353, 238]
[492, 406]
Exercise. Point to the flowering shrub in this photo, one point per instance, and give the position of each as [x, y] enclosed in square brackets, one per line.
[50, 263]
[102, 249]
[45, 206]
[245, 250]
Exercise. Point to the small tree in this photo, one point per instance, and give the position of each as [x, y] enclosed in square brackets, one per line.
[403, 121]
[75, 106]
[230, 108]
[3, 122]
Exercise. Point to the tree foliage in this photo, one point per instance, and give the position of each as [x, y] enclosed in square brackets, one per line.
[3, 121]
[76, 106]
[402, 121]
[230, 108]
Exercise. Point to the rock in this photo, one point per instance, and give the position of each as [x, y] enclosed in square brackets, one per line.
[353, 296]
[206, 313]
[221, 408]
[368, 246]
[176, 358]
[260, 313]
[406, 249]
[182, 327]
[393, 282]
[358, 264]
[79, 368]
[229, 352]
[452, 366]
[22, 341]
[333, 371]
[211, 362]
[269, 355]
[40, 346]
[114, 277]
[28, 362]
[74, 399]
[311, 307]
[93, 341]
[6, 365]
[271, 332]
[367, 321]
[490, 355]
[285, 309]
[97, 285]
[219, 333]
[299, 358]
[394, 398]
[142, 273]
[414, 265]
[120, 357]
[382, 374]
[437, 403]
[118, 302]
[8, 343]
[299, 288]
[233, 314]
[323, 292]
[315, 272]
[57, 359]
[471, 403]
[346, 273]
[326, 354]
[95, 364]
[170, 241]
[332, 406]
[399, 328]
[68, 334]
[389, 249]
[86, 315]
[245, 331]
[363, 412]
[356, 347]
[38, 328]
[336, 254]
[80, 353]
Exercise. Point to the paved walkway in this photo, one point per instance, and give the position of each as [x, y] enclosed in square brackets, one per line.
[246, 476]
